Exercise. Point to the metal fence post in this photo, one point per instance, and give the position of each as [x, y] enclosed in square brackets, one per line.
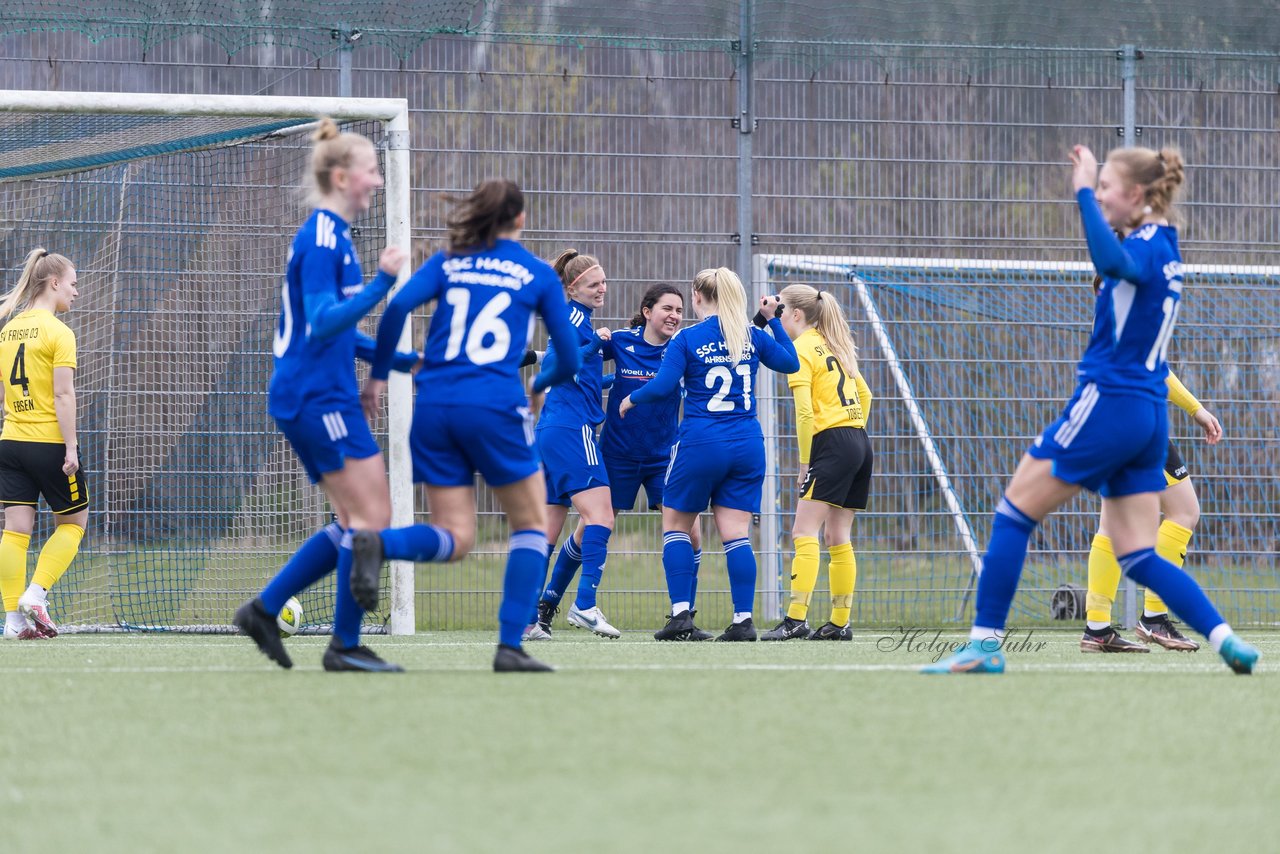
[769, 557]
[1129, 56]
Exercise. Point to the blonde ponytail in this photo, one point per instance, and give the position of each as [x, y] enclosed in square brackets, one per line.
[722, 287]
[40, 268]
[1161, 174]
[822, 312]
[332, 149]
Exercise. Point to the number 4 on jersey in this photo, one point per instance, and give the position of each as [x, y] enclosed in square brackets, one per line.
[18, 374]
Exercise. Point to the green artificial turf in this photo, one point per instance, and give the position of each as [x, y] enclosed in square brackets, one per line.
[193, 744]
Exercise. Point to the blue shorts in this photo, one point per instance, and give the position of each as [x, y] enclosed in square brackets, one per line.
[730, 475]
[324, 440]
[571, 461]
[1109, 443]
[449, 444]
[627, 476]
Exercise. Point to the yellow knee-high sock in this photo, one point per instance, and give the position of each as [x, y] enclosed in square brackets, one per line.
[804, 575]
[1171, 544]
[844, 576]
[1104, 580]
[13, 567]
[57, 554]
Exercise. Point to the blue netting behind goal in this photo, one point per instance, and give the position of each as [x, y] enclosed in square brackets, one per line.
[196, 499]
[987, 352]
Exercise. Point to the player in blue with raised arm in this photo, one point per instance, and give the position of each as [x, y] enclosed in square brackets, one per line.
[566, 441]
[314, 396]
[1114, 433]
[718, 459]
[471, 413]
[637, 450]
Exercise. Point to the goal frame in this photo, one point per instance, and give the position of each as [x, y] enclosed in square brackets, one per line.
[394, 114]
[847, 268]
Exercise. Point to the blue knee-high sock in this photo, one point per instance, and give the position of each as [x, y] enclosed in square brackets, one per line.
[526, 563]
[595, 551]
[421, 543]
[346, 613]
[693, 582]
[1180, 591]
[313, 560]
[1002, 564]
[678, 564]
[567, 563]
[741, 562]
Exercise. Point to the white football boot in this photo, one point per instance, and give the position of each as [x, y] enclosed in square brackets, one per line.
[37, 612]
[593, 621]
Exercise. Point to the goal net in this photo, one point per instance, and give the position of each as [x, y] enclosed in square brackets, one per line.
[178, 213]
[969, 360]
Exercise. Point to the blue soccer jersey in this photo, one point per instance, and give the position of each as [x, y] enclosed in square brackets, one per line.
[481, 325]
[648, 432]
[1137, 305]
[720, 401]
[322, 299]
[577, 403]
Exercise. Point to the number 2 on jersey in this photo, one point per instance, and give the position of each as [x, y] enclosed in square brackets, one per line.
[488, 323]
[833, 364]
[720, 374]
[18, 374]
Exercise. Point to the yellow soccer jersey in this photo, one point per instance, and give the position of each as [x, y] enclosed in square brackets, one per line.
[825, 397]
[32, 344]
[1180, 397]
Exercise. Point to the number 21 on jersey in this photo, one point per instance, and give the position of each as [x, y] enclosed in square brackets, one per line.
[719, 375]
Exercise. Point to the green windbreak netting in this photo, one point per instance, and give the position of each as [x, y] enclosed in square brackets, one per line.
[779, 26]
[196, 499]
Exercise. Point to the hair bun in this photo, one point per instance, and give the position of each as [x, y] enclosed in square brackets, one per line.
[328, 129]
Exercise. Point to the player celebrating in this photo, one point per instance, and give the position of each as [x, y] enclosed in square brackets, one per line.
[566, 438]
[39, 454]
[314, 396]
[471, 413]
[1114, 434]
[1181, 510]
[635, 450]
[719, 458]
[832, 403]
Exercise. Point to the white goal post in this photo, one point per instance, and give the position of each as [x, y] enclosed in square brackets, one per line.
[393, 114]
[972, 357]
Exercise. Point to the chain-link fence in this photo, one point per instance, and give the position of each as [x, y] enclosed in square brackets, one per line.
[699, 134]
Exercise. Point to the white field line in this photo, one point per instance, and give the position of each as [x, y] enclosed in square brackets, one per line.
[1209, 665]
[1267, 641]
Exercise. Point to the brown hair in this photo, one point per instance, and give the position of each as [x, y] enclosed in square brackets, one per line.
[571, 264]
[722, 287]
[821, 311]
[39, 270]
[476, 220]
[333, 149]
[650, 299]
[1159, 173]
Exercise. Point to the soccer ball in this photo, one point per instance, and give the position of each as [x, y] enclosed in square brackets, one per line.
[290, 617]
